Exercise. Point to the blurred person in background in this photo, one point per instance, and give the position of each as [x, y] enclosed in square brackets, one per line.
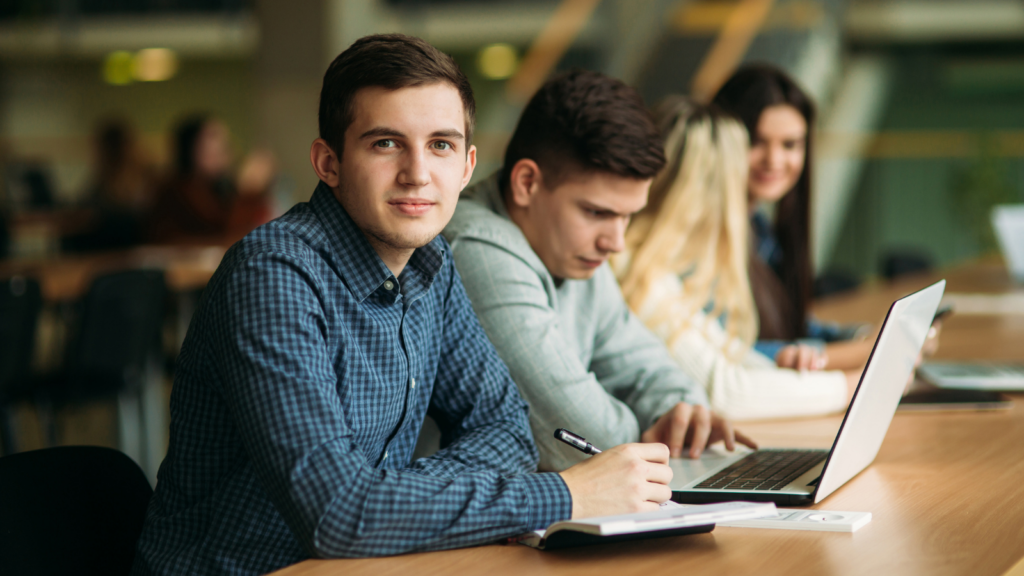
[202, 202]
[779, 117]
[684, 273]
[119, 194]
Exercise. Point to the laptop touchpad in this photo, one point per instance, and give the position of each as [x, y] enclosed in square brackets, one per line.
[686, 470]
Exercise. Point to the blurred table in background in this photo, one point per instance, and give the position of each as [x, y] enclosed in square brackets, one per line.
[966, 335]
[945, 490]
[64, 279]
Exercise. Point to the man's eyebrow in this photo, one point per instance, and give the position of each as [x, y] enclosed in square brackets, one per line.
[452, 133]
[606, 210]
[381, 131]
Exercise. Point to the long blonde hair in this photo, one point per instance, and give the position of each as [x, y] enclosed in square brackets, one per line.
[695, 225]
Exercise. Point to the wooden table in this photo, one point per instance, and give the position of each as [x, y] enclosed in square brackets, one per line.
[946, 490]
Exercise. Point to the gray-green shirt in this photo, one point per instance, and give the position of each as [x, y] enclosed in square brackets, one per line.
[581, 359]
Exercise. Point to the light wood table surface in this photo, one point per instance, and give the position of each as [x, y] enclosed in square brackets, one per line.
[946, 490]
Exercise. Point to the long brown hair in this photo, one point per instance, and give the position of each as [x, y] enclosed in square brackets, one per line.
[782, 308]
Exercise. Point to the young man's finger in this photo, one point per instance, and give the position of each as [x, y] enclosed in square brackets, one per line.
[745, 440]
[679, 423]
[659, 473]
[728, 434]
[654, 452]
[701, 430]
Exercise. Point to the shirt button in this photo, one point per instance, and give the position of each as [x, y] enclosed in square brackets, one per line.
[385, 454]
[388, 284]
[412, 383]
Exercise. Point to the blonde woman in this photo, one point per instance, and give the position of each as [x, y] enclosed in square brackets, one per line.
[684, 273]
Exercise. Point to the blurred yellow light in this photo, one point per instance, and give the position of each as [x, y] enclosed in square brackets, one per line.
[118, 68]
[155, 64]
[497, 61]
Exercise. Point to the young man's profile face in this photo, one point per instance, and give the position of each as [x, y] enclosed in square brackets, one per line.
[404, 163]
[576, 226]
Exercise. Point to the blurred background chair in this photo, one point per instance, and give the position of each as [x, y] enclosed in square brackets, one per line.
[835, 281]
[70, 510]
[20, 304]
[113, 349]
[904, 261]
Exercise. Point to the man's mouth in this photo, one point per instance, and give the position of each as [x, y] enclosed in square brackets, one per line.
[591, 263]
[412, 206]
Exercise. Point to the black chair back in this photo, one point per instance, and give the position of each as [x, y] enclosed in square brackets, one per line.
[20, 304]
[121, 317]
[70, 510]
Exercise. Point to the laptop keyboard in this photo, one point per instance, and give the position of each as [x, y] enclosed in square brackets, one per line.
[764, 470]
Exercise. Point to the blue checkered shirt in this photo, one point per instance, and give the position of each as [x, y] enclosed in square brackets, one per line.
[299, 395]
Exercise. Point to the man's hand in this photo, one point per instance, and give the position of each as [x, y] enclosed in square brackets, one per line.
[693, 426]
[624, 479]
[801, 357]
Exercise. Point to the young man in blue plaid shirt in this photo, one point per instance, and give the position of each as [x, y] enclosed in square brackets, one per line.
[327, 335]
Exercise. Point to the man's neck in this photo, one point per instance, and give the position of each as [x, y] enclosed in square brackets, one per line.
[517, 215]
[394, 258]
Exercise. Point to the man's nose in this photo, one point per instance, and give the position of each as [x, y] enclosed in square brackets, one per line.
[413, 171]
[613, 237]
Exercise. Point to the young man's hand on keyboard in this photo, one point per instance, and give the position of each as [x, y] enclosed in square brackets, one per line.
[694, 426]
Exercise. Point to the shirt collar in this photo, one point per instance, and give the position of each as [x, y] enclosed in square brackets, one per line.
[359, 265]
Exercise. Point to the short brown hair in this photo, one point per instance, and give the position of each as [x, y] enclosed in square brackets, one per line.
[390, 61]
[583, 120]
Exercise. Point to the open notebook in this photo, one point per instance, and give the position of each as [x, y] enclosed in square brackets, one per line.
[670, 520]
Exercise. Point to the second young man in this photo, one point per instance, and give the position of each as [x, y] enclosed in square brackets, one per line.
[531, 243]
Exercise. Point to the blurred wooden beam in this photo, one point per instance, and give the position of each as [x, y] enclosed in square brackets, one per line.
[740, 29]
[547, 50]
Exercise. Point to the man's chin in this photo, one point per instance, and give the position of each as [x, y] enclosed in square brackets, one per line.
[580, 274]
[407, 239]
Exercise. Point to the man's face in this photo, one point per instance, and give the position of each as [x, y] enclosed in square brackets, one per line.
[576, 226]
[403, 164]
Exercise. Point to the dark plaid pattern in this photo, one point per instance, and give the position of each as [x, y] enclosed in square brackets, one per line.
[300, 392]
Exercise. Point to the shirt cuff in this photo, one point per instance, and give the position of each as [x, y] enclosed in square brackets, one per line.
[547, 499]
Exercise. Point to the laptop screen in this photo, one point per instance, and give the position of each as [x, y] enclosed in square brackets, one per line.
[881, 386]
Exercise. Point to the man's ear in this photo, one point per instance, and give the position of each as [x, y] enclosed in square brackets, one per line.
[524, 182]
[325, 162]
[470, 166]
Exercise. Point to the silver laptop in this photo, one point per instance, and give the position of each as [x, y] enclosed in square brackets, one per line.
[974, 375]
[800, 477]
[1008, 222]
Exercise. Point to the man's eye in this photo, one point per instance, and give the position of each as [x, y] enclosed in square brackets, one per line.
[384, 144]
[441, 145]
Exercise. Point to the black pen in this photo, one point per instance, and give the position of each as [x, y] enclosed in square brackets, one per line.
[576, 442]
